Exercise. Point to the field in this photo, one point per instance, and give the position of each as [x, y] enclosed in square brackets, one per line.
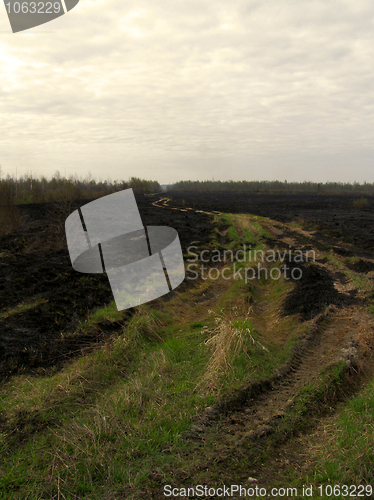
[258, 372]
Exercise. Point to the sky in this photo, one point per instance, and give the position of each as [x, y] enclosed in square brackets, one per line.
[173, 90]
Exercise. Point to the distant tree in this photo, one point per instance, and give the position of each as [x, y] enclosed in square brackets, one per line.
[245, 187]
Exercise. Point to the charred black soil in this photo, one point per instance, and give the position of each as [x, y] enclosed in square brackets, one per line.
[333, 216]
[36, 272]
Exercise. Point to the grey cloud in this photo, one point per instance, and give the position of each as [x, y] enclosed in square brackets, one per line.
[179, 82]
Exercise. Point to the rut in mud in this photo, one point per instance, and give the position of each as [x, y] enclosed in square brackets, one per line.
[330, 339]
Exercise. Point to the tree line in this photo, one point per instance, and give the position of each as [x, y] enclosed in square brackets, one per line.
[244, 187]
[30, 189]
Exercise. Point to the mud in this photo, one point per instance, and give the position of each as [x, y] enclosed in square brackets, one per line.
[312, 294]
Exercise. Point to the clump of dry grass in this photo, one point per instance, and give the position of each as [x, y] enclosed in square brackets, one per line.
[361, 203]
[225, 342]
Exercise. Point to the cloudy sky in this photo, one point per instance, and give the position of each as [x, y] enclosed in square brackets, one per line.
[172, 90]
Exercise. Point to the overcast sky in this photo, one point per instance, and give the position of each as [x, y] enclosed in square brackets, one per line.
[172, 90]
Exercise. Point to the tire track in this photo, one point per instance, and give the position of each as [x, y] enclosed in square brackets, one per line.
[255, 408]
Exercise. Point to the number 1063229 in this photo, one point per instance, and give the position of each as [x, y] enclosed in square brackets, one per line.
[33, 7]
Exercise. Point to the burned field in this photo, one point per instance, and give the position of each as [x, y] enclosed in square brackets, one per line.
[334, 217]
[42, 298]
[307, 344]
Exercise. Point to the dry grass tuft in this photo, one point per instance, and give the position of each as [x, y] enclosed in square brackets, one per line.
[361, 203]
[225, 342]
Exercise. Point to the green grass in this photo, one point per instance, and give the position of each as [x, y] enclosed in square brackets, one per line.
[108, 312]
[345, 455]
[108, 416]
[239, 233]
[249, 235]
[260, 230]
[20, 308]
[104, 421]
[349, 452]
[232, 231]
[112, 423]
